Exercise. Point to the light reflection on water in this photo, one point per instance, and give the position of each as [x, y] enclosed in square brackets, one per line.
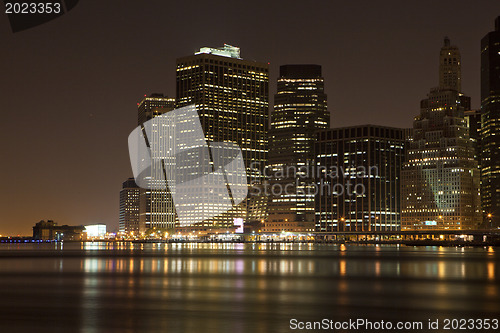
[240, 287]
[276, 261]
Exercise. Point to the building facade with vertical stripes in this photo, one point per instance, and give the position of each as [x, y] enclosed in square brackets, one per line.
[300, 109]
[357, 172]
[156, 207]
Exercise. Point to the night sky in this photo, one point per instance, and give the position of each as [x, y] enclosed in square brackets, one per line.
[69, 88]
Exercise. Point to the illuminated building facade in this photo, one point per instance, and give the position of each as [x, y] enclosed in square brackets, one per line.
[153, 105]
[490, 131]
[357, 172]
[300, 109]
[231, 97]
[440, 178]
[128, 219]
[95, 230]
[156, 208]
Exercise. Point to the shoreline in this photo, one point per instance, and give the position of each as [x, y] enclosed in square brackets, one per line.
[443, 243]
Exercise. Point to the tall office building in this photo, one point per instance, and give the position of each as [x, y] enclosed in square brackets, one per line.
[300, 109]
[490, 132]
[129, 207]
[156, 209]
[357, 171]
[231, 96]
[440, 178]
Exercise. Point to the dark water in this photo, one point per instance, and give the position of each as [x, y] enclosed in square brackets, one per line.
[239, 287]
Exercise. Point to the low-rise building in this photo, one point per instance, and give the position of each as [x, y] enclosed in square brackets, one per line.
[49, 230]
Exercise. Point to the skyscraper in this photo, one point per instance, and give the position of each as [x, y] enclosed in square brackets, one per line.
[300, 109]
[129, 207]
[357, 172]
[440, 178]
[231, 96]
[490, 131]
[156, 209]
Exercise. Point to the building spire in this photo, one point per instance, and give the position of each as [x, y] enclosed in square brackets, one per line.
[450, 75]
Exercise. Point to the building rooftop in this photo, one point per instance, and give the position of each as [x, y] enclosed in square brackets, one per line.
[225, 51]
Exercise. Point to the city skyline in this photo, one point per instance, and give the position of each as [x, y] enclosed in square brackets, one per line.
[263, 166]
[53, 141]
